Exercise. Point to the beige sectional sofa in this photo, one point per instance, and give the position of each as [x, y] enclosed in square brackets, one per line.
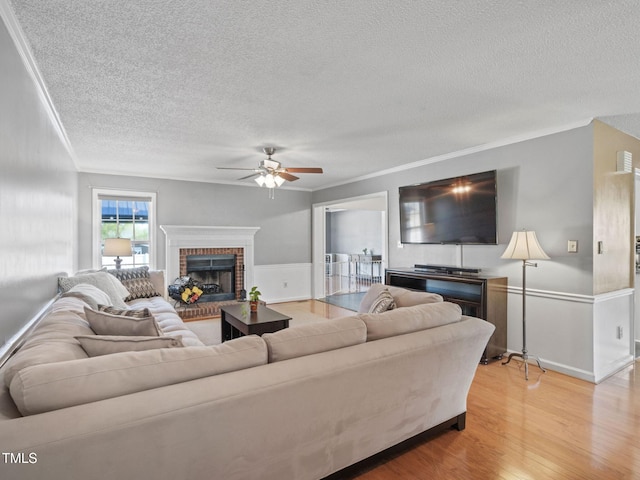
[301, 403]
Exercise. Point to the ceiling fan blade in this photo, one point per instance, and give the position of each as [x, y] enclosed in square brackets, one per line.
[236, 168]
[249, 176]
[288, 176]
[304, 170]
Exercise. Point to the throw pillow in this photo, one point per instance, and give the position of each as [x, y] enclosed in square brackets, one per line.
[137, 281]
[126, 312]
[383, 302]
[89, 294]
[96, 345]
[105, 282]
[106, 324]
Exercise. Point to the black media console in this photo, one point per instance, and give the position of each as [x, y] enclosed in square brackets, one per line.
[478, 295]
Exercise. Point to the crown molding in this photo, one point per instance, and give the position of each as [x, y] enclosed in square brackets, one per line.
[22, 46]
[466, 151]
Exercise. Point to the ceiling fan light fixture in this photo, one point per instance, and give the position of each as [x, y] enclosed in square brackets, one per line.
[271, 174]
[269, 181]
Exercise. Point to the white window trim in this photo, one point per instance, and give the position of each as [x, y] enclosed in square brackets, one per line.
[97, 222]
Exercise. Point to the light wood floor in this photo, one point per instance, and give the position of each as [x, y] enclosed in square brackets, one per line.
[551, 427]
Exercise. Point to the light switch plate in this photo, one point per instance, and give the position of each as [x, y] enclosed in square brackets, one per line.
[572, 246]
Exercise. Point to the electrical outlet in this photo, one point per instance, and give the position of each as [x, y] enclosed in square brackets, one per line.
[285, 284]
[620, 332]
[572, 246]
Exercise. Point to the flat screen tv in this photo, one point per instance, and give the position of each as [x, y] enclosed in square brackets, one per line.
[459, 210]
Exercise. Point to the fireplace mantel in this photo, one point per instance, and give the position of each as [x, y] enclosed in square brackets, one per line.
[190, 236]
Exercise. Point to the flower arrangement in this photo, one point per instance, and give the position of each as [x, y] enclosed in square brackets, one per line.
[191, 294]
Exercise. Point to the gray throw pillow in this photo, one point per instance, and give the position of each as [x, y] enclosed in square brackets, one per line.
[106, 324]
[89, 294]
[105, 282]
[137, 281]
[96, 345]
[383, 302]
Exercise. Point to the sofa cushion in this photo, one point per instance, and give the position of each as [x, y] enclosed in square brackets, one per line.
[315, 338]
[157, 279]
[107, 324]
[52, 386]
[402, 297]
[167, 319]
[52, 339]
[96, 345]
[137, 281]
[90, 294]
[105, 282]
[410, 319]
[383, 302]
[409, 298]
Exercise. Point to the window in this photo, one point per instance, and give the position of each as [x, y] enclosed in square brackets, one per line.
[123, 214]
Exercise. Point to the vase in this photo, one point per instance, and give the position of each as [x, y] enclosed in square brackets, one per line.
[254, 305]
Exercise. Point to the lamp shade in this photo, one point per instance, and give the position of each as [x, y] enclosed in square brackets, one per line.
[524, 246]
[117, 247]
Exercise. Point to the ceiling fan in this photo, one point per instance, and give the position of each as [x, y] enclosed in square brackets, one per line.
[271, 173]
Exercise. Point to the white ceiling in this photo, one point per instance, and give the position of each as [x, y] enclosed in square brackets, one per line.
[174, 89]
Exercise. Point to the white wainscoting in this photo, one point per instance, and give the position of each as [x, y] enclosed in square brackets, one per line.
[574, 334]
[284, 282]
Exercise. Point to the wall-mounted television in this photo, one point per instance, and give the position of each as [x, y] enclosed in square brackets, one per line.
[459, 210]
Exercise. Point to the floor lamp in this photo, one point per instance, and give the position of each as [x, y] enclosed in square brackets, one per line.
[524, 246]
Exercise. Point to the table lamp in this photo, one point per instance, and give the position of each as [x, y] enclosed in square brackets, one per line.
[117, 247]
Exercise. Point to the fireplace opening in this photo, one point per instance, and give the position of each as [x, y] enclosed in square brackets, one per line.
[216, 275]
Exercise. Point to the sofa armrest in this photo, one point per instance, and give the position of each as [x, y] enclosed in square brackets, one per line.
[158, 281]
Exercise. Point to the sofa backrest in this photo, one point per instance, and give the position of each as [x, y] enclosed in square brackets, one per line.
[51, 386]
[400, 321]
[402, 296]
[315, 338]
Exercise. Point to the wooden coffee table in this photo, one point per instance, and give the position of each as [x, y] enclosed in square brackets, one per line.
[237, 320]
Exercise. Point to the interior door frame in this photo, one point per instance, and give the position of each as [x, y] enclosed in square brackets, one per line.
[319, 234]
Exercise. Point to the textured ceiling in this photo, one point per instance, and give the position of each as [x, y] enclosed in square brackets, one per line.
[174, 89]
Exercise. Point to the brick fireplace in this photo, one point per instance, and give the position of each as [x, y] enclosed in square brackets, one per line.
[230, 285]
[184, 241]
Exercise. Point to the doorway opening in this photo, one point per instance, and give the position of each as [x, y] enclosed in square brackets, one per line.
[350, 248]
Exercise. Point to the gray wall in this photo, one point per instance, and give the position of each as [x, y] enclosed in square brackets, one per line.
[38, 197]
[353, 230]
[544, 184]
[285, 221]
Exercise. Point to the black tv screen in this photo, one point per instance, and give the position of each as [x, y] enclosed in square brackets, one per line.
[459, 210]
